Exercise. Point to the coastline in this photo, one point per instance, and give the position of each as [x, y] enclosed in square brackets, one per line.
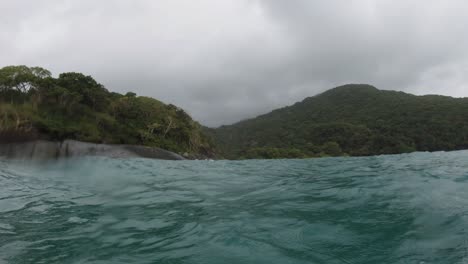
[45, 149]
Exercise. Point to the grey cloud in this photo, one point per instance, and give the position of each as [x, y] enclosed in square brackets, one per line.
[227, 60]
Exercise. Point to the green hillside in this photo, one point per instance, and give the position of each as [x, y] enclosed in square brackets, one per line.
[356, 120]
[34, 105]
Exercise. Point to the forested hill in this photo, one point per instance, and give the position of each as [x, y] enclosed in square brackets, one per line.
[351, 120]
[34, 105]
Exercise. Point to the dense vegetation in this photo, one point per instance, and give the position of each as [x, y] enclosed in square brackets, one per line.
[34, 105]
[354, 120]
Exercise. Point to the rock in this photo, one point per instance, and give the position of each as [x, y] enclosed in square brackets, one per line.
[41, 149]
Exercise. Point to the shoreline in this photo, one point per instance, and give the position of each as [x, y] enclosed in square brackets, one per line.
[46, 149]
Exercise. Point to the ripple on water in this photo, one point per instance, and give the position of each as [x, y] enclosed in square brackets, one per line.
[410, 208]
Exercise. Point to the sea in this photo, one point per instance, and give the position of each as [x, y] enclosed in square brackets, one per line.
[410, 208]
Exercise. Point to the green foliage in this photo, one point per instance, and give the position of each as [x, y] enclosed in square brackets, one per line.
[354, 120]
[16, 81]
[332, 149]
[273, 153]
[75, 106]
[92, 93]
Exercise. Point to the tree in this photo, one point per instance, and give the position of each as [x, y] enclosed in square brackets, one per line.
[93, 93]
[17, 81]
[332, 149]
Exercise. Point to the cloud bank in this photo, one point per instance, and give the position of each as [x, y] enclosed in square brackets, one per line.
[226, 60]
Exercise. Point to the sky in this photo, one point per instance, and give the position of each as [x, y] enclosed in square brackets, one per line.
[228, 60]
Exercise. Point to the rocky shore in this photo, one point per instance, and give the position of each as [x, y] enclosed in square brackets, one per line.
[43, 149]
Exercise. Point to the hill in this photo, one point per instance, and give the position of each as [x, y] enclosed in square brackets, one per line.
[355, 120]
[34, 105]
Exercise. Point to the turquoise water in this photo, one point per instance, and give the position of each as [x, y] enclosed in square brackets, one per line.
[409, 208]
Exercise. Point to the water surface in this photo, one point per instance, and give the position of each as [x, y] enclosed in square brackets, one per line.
[410, 208]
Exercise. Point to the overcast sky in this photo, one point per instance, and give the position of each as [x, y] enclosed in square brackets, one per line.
[226, 60]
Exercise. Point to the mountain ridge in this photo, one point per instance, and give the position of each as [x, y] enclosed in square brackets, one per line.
[353, 119]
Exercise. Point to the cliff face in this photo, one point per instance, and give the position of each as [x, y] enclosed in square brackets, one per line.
[41, 149]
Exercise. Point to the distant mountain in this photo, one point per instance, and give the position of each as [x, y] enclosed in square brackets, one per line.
[356, 120]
